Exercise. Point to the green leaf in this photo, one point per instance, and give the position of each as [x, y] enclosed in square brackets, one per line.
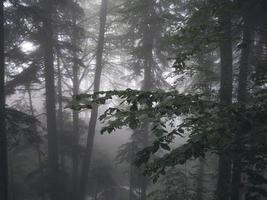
[165, 146]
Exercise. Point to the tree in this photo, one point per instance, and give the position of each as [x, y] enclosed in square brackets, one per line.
[50, 103]
[197, 102]
[226, 89]
[100, 177]
[92, 124]
[174, 185]
[3, 136]
[26, 24]
[242, 88]
[60, 108]
[145, 37]
[75, 41]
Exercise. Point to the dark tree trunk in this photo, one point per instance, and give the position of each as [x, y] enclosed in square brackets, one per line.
[75, 116]
[244, 61]
[131, 176]
[226, 88]
[60, 110]
[50, 104]
[242, 98]
[94, 112]
[144, 180]
[3, 136]
[96, 192]
[147, 83]
[143, 187]
[12, 190]
[200, 179]
[30, 100]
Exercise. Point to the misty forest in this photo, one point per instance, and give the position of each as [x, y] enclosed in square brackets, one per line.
[133, 100]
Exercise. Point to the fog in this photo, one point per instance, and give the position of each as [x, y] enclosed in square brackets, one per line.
[133, 100]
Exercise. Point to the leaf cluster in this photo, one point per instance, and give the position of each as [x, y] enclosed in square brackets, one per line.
[210, 126]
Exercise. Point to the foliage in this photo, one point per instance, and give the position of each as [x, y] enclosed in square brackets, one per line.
[210, 125]
[174, 185]
[100, 177]
[21, 129]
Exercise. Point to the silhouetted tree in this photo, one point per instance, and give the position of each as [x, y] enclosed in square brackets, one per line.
[226, 89]
[3, 136]
[94, 112]
[50, 102]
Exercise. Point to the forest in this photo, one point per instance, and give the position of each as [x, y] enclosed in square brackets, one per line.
[133, 100]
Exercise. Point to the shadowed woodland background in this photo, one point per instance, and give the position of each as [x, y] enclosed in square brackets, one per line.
[133, 100]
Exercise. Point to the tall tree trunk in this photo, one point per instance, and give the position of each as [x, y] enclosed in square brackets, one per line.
[75, 115]
[147, 83]
[50, 104]
[28, 88]
[3, 134]
[131, 176]
[226, 88]
[60, 110]
[244, 61]
[242, 98]
[148, 48]
[144, 180]
[94, 112]
[12, 191]
[96, 192]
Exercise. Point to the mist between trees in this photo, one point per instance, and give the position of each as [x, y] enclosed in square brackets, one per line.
[133, 100]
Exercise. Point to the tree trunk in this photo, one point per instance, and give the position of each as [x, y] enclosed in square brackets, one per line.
[244, 61]
[143, 187]
[12, 191]
[37, 146]
[3, 134]
[60, 110]
[200, 179]
[96, 192]
[50, 104]
[147, 85]
[145, 139]
[148, 47]
[131, 176]
[226, 88]
[94, 112]
[242, 98]
[75, 116]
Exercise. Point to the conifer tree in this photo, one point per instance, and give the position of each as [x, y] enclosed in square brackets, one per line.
[226, 89]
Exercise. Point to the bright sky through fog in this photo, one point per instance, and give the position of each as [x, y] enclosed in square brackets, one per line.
[27, 47]
[7, 4]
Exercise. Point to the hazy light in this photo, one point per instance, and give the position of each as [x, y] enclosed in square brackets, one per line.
[28, 47]
[7, 4]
